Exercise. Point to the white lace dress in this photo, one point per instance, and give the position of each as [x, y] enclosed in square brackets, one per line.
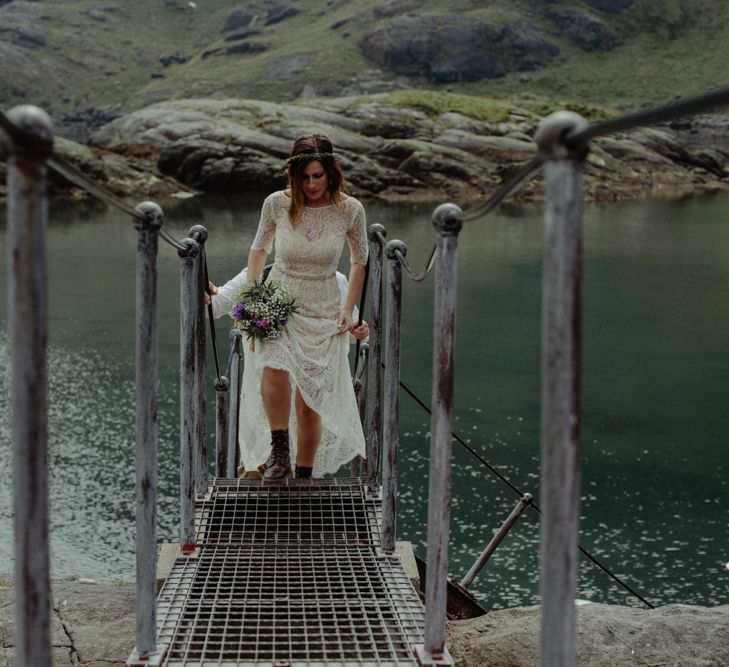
[311, 349]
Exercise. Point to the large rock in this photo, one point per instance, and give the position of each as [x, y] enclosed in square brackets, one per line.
[93, 624]
[397, 7]
[610, 6]
[21, 24]
[456, 47]
[607, 636]
[240, 17]
[391, 152]
[584, 29]
[279, 13]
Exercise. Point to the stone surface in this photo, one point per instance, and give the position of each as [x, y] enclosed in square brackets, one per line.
[397, 7]
[20, 24]
[240, 17]
[610, 6]
[584, 29]
[607, 636]
[393, 153]
[279, 13]
[456, 47]
[93, 624]
[389, 152]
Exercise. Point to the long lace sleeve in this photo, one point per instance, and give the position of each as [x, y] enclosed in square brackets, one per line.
[223, 300]
[266, 227]
[357, 234]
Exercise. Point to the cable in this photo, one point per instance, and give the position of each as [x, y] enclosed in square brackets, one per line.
[520, 493]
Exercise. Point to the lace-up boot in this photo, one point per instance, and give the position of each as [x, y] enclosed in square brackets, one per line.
[278, 465]
[303, 472]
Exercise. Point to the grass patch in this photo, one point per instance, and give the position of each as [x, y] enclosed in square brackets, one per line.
[669, 48]
[490, 109]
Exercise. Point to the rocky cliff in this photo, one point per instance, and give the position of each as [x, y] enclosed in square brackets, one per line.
[387, 151]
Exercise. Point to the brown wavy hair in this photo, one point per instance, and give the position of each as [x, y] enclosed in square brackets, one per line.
[313, 143]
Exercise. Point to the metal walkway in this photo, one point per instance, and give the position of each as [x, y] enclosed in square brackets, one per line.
[289, 575]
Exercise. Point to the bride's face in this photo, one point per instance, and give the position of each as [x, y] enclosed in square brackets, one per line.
[315, 183]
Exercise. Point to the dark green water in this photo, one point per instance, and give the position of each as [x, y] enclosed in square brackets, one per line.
[655, 391]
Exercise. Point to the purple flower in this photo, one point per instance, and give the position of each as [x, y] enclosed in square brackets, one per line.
[240, 312]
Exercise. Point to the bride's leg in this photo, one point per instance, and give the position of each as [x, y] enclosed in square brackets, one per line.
[276, 395]
[308, 433]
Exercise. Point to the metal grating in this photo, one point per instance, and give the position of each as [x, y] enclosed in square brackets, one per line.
[312, 605]
[289, 575]
[292, 513]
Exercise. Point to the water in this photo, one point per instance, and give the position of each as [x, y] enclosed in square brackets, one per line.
[655, 391]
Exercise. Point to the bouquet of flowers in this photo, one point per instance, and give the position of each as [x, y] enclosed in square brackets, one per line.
[262, 311]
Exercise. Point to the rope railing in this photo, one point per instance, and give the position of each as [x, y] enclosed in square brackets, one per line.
[665, 112]
[416, 277]
[562, 146]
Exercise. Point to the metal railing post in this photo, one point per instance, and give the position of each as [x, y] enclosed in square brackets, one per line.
[560, 420]
[189, 291]
[360, 392]
[146, 425]
[234, 409]
[448, 226]
[202, 475]
[27, 216]
[391, 434]
[222, 409]
[374, 371]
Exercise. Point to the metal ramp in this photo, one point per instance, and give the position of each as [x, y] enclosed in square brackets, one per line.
[289, 575]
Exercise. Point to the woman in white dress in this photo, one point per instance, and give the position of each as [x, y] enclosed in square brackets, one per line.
[297, 395]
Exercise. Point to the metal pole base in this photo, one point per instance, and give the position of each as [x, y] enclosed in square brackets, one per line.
[426, 659]
[137, 659]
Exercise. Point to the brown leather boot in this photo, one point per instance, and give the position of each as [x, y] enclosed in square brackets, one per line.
[279, 463]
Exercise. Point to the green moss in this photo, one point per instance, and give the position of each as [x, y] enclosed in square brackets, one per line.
[434, 103]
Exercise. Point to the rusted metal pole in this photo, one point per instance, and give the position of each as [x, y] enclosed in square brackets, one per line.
[27, 217]
[222, 409]
[391, 434]
[146, 425]
[447, 227]
[360, 390]
[200, 234]
[497, 539]
[188, 400]
[234, 409]
[560, 429]
[374, 370]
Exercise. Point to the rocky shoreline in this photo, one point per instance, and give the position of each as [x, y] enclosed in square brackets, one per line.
[387, 152]
[93, 624]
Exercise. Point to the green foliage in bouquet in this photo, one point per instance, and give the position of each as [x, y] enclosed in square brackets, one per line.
[262, 311]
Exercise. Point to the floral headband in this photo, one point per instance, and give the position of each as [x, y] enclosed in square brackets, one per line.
[310, 156]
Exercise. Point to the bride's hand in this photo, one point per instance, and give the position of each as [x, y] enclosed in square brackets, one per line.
[344, 321]
[210, 291]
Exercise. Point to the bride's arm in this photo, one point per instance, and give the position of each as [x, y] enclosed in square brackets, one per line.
[256, 262]
[356, 280]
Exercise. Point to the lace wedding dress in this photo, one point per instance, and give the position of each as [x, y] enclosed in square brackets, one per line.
[310, 349]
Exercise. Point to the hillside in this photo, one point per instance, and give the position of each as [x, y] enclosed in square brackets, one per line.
[90, 59]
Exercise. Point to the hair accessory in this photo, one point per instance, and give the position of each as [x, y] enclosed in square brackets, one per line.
[309, 156]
